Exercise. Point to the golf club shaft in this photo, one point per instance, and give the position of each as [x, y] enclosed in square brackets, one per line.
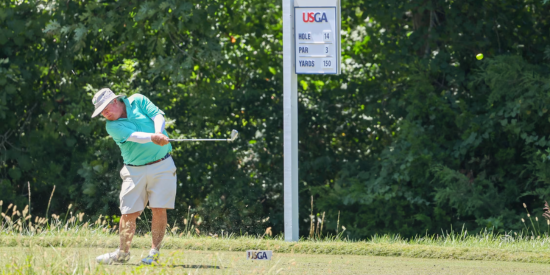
[234, 134]
[198, 139]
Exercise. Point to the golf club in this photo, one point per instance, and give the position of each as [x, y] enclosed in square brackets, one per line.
[234, 135]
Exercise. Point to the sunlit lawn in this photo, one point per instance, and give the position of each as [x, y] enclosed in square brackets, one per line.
[50, 260]
[69, 246]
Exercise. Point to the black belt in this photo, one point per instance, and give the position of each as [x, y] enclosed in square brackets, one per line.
[152, 162]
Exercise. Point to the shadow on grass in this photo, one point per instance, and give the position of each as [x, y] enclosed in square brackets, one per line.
[197, 266]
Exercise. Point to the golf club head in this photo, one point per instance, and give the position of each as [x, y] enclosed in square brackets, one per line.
[234, 135]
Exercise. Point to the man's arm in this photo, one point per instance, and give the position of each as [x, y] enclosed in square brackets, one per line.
[142, 137]
[159, 123]
[159, 137]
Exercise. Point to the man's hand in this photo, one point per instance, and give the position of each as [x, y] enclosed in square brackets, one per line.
[159, 139]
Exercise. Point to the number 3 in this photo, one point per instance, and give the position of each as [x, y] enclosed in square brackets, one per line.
[326, 49]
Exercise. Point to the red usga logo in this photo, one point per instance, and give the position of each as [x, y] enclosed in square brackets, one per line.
[314, 17]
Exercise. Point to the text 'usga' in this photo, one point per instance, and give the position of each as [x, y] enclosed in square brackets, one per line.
[259, 254]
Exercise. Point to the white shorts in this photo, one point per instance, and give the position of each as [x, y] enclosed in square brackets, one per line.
[155, 183]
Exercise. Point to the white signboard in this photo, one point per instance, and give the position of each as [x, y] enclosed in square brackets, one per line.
[259, 255]
[317, 39]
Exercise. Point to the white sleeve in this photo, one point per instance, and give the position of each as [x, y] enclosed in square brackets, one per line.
[140, 137]
[159, 123]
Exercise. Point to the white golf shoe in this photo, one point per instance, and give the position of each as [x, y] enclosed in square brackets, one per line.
[113, 257]
[152, 258]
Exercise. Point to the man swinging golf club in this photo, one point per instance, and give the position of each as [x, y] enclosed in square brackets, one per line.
[148, 174]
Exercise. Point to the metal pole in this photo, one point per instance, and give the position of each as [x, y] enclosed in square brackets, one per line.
[290, 135]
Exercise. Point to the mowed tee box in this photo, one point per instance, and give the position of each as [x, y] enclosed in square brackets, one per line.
[259, 254]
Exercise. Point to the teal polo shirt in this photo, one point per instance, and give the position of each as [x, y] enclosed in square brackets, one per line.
[140, 112]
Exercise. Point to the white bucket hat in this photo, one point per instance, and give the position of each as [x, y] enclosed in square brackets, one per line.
[102, 98]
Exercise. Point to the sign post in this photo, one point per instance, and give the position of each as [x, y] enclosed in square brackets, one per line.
[311, 45]
[290, 125]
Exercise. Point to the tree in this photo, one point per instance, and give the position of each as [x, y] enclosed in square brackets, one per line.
[457, 139]
[414, 135]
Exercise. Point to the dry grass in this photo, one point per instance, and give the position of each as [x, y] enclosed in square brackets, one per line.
[520, 252]
[50, 260]
[21, 232]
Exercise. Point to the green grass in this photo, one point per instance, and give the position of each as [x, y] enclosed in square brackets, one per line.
[50, 260]
[58, 245]
[488, 248]
[75, 233]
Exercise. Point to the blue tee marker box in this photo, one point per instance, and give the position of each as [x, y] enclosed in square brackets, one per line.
[259, 254]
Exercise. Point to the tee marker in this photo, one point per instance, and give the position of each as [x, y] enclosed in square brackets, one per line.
[259, 255]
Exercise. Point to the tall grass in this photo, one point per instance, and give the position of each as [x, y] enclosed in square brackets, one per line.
[15, 222]
[69, 244]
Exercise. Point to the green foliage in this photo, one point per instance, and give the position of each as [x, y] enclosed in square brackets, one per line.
[458, 141]
[415, 135]
[180, 54]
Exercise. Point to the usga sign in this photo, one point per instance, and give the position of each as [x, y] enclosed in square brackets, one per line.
[259, 254]
[317, 36]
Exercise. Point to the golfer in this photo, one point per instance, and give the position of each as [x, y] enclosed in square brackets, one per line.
[148, 174]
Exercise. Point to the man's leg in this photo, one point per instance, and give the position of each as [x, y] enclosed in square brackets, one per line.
[162, 194]
[127, 229]
[158, 227]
